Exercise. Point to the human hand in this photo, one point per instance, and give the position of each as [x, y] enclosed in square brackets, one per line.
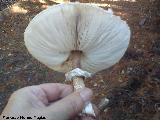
[53, 101]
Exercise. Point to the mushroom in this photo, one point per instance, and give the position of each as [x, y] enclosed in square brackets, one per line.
[78, 39]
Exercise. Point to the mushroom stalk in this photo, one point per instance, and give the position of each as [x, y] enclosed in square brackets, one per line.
[78, 81]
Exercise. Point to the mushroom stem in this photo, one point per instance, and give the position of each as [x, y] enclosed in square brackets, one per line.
[76, 57]
[78, 82]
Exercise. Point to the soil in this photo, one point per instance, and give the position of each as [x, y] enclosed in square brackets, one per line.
[132, 85]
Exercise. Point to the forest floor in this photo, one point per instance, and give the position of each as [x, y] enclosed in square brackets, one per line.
[132, 85]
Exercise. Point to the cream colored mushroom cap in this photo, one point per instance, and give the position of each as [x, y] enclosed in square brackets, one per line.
[101, 36]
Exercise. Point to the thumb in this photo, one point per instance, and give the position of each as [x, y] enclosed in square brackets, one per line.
[69, 106]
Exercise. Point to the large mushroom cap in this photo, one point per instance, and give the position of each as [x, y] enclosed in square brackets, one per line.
[101, 36]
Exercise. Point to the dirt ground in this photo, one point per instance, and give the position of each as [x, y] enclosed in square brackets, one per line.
[132, 85]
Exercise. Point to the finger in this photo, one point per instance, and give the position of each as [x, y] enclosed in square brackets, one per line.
[55, 91]
[70, 105]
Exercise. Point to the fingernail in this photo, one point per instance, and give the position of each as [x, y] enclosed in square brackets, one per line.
[86, 94]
